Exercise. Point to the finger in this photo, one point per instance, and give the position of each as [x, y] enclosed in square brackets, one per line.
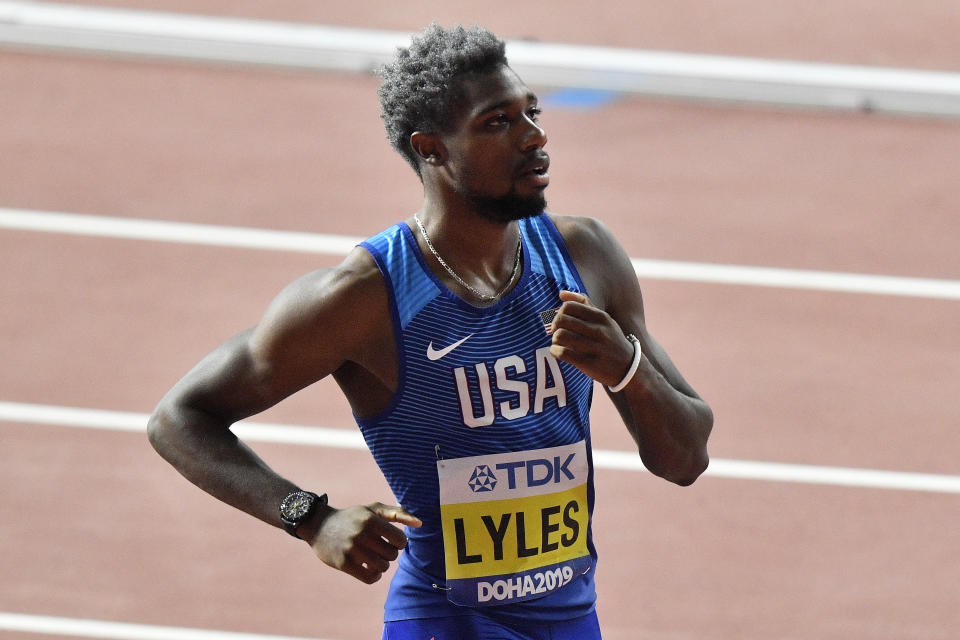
[573, 324]
[380, 528]
[371, 540]
[559, 352]
[361, 573]
[574, 296]
[390, 534]
[395, 514]
[381, 548]
[571, 356]
[588, 312]
[586, 345]
[364, 556]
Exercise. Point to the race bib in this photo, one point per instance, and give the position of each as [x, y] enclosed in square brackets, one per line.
[514, 524]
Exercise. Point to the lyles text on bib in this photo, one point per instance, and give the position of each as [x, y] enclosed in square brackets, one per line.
[514, 524]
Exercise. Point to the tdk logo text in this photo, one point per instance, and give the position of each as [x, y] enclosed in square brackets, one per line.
[482, 479]
[536, 472]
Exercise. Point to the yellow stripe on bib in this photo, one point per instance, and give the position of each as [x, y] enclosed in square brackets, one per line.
[500, 537]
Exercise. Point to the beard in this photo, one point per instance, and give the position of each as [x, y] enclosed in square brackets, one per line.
[509, 207]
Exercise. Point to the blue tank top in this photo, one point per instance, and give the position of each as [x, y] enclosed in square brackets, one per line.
[487, 441]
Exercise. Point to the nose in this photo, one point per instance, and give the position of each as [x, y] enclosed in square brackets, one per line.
[534, 135]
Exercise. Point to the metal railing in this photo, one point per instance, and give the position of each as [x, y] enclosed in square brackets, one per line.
[76, 29]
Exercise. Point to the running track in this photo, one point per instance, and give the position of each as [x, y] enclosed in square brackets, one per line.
[96, 527]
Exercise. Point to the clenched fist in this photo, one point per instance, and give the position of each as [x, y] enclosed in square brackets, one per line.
[589, 339]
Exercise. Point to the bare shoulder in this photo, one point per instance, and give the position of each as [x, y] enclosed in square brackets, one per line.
[357, 278]
[327, 313]
[581, 232]
[317, 326]
[602, 262]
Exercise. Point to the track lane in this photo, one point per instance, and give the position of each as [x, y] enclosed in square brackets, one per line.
[167, 305]
[718, 185]
[762, 564]
[88, 323]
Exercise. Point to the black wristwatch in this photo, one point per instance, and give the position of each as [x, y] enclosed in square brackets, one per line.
[297, 507]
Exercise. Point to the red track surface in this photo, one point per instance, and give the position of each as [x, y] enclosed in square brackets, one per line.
[94, 525]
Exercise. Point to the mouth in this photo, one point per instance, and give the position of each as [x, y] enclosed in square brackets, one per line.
[535, 171]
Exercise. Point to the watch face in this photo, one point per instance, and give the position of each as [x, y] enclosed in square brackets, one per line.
[296, 505]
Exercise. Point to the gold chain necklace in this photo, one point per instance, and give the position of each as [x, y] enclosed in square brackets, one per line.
[453, 274]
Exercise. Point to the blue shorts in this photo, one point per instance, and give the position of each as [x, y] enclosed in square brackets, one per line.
[477, 627]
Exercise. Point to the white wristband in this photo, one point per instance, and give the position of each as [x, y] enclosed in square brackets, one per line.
[633, 365]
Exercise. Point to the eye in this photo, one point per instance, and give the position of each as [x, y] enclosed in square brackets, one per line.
[534, 113]
[498, 120]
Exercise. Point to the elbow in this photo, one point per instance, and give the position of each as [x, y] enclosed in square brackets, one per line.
[158, 428]
[684, 458]
[690, 472]
[695, 461]
[682, 471]
[155, 429]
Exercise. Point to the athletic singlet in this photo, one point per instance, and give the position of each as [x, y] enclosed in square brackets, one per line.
[487, 441]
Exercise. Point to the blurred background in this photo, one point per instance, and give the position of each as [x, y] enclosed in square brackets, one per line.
[782, 173]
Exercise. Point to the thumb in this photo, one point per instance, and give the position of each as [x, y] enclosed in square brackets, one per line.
[395, 514]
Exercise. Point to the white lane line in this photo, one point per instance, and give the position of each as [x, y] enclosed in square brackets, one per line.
[798, 279]
[137, 422]
[604, 459]
[269, 239]
[801, 473]
[178, 232]
[82, 628]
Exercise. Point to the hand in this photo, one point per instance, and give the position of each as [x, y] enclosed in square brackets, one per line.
[360, 540]
[589, 339]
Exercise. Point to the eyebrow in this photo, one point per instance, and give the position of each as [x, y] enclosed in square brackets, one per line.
[530, 96]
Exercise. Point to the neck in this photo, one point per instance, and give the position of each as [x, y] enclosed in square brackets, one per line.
[467, 235]
[481, 252]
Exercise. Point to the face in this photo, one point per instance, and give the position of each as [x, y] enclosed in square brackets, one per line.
[495, 158]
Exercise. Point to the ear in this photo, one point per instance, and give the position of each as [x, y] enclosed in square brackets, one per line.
[428, 147]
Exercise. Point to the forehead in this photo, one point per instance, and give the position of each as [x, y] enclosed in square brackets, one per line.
[491, 90]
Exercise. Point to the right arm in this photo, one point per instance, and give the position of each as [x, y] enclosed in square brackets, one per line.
[309, 331]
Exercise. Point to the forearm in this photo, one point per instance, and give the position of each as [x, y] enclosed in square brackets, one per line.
[205, 451]
[669, 427]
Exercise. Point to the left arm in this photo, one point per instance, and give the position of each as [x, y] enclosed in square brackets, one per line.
[669, 422]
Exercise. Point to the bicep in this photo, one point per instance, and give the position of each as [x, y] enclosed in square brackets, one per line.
[231, 383]
[261, 366]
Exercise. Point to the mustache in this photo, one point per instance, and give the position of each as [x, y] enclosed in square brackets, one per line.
[538, 161]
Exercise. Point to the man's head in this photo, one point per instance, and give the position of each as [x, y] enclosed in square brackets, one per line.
[422, 86]
[453, 108]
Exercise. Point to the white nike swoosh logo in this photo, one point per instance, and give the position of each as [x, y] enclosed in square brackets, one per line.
[433, 354]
